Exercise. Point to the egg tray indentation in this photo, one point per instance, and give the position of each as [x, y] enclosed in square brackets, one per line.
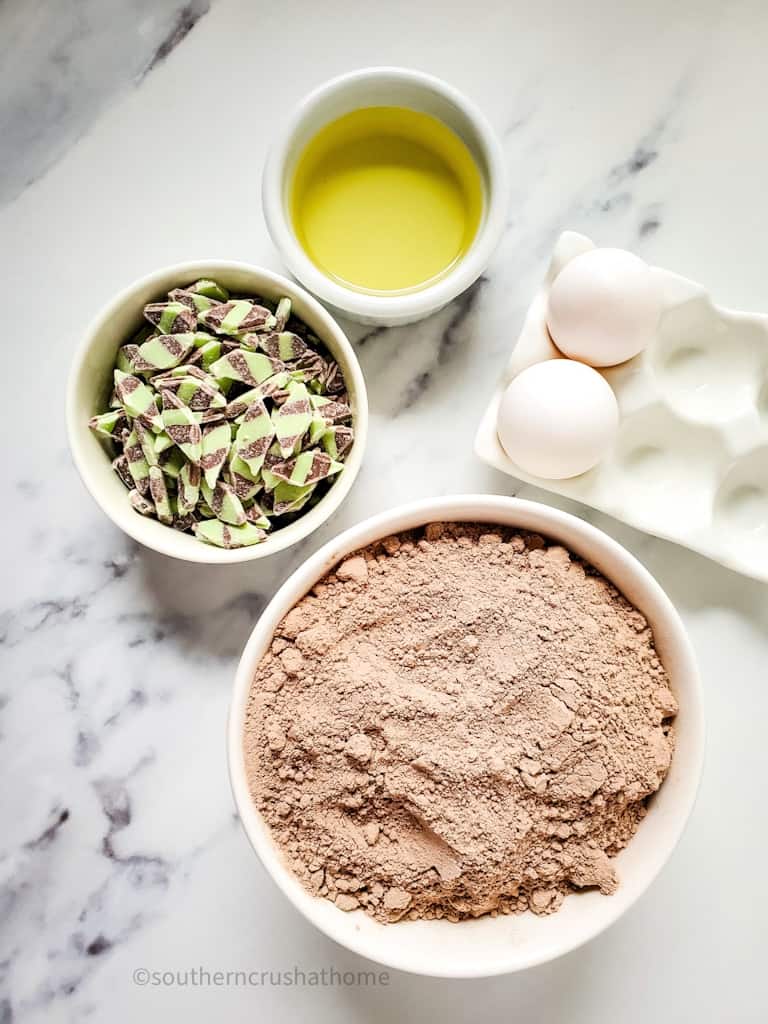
[690, 462]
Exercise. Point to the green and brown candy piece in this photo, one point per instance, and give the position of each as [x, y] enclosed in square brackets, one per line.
[143, 505]
[188, 488]
[337, 441]
[223, 535]
[158, 489]
[290, 498]
[330, 410]
[250, 368]
[195, 301]
[283, 345]
[181, 426]
[109, 424]
[293, 418]
[130, 360]
[215, 449]
[211, 289]
[223, 501]
[254, 435]
[137, 464]
[282, 313]
[171, 317]
[138, 400]
[307, 468]
[166, 351]
[239, 316]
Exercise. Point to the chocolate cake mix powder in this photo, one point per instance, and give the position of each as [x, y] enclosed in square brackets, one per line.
[459, 720]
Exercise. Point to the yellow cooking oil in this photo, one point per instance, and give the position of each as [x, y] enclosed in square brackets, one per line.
[386, 199]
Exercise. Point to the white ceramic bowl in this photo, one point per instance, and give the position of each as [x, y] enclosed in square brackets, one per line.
[507, 943]
[399, 87]
[90, 383]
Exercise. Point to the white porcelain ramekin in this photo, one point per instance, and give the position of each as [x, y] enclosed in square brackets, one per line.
[507, 943]
[90, 383]
[400, 87]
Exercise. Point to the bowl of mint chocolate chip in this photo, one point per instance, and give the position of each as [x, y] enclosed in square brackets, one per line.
[216, 412]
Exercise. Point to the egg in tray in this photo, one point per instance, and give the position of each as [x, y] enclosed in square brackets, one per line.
[630, 391]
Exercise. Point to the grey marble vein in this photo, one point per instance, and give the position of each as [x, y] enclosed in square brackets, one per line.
[62, 63]
[449, 336]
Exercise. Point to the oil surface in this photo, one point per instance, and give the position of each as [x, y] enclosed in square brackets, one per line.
[386, 199]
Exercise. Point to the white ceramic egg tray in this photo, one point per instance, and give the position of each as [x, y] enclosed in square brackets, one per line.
[690, 462]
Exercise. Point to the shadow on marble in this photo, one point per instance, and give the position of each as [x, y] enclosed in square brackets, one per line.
[212, 607]
[696, 583]
[693, 582]
[402, 364]
[551, 991]
[188, 589]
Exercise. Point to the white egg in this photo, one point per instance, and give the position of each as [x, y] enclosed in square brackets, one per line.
[604, 307]
[557, 419]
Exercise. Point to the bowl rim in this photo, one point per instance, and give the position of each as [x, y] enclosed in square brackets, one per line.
[408, 305]
[320, 321]
[485, 508]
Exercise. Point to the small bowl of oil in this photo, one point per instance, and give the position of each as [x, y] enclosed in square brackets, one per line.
[386, 194]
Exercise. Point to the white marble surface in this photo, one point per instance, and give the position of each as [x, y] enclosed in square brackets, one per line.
[640, 124]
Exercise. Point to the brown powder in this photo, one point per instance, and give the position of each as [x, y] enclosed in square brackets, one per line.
[459, 720]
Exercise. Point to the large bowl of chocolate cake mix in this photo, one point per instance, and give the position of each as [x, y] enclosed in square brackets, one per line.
[466, 735]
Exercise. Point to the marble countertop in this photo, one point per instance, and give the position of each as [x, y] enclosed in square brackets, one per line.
[133, 135]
